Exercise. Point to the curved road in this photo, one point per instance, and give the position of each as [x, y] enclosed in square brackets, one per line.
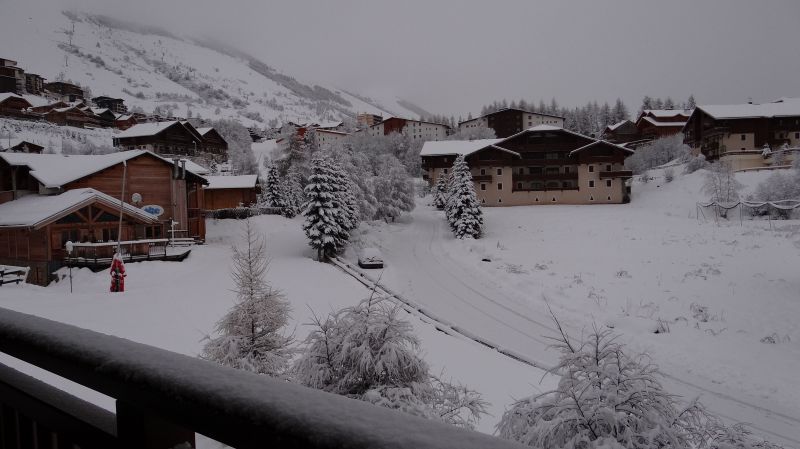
[470, 300]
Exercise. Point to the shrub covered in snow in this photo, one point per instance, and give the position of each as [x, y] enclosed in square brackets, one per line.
[608, 399]
[781, 185]
[366, 352]
[721, 184]
[249, 336]
[658, 152]
[696, 163]
[463, 209]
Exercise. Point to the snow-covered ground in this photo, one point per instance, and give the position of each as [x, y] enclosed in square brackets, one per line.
[174, 305]
[53, 137]
[719, 289]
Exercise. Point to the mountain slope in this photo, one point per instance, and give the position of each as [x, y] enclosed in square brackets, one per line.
[151, 68]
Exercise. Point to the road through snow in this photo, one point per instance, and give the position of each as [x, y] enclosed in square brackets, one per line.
[421, 269]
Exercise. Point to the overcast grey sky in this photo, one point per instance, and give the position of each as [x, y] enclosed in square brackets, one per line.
[454, 56]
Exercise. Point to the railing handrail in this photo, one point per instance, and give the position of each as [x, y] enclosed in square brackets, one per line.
[115, 243]
[238, 408]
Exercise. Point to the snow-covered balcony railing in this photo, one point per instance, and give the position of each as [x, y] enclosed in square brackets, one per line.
[163, 398]
[101, 252]
[616, 174]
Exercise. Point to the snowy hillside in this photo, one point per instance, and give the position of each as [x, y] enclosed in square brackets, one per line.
[150, 68]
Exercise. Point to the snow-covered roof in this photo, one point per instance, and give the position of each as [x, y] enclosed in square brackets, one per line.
[231, 182]
[663, 113]
[38, 210]
[331, 131]
[99, 111]
[195, 168]
[512, 109]
[455, 147]
[655, 122]
[205, 130]
[14, 141]
[55, 170]
[617, 125]
[599, 142]
[783, 107]
[145, 129]
[6, 95]
[329, 124]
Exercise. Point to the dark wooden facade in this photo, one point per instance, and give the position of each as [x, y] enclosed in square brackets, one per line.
[42, 247]
[23, 147]
[34, 84]
[229, 198]
[123, 122]
[622, 133]
[174, 139]
[67, 91]
[116, 105]
[14, 106]
[71, 116]
[214, 143]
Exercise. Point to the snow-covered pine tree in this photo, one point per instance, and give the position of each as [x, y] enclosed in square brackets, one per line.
[324, 217]
[292, 193]
[273, 195]
[463, 209]
[440, 191]
[367, 352]
[249, 336]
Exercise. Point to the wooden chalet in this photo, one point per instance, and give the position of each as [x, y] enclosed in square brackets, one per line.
[227, 192]
[125, 121]
[115, 105]
[214, 144]
[165, 138]
[20, 146]
[163, 185]
[71, 116]
[12, 105]
[64, 91]
[34, 84]
[746, 135]
[509, 121]
[542, 165]
[657, 123]
[105, 117]
[35, 228]
[621, 132]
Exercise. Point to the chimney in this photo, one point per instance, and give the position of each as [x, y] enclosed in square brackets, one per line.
[183, 168]
[175, 168]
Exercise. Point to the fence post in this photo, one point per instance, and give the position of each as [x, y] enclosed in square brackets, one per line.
[140, 429]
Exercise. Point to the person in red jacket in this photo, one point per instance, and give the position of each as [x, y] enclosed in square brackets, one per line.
[117, 274]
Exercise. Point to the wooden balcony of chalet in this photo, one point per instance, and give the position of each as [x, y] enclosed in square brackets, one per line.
[162, 399]
[545, 177]
[482, 178]
[97, 256]
[616, 174]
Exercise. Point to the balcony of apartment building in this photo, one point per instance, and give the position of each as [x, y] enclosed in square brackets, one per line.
[162, 399]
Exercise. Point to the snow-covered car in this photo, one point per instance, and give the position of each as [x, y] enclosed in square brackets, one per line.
[370, 258]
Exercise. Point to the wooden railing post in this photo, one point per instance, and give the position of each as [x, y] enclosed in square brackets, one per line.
[140, 429]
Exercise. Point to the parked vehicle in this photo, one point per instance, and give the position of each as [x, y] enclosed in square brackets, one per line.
[370, 258]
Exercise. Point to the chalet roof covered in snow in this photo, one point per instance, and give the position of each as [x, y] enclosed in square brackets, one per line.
[331, 131]
[329, 125]
[655, 122]
[145, 129]
[38, 210]
[663, 113]
[512, 109]
[204, 131]
[783, 107]
[231, 182]
[455, 147]
[6, 95]
[601, 142]
[617, 125]
[55, 170]
[6, 144]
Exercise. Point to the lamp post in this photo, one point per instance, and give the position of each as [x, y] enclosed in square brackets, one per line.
[69, 246]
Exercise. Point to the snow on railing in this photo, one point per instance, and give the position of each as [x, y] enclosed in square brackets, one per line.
[169, 396]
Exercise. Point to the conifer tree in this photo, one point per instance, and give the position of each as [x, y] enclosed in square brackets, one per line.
[292, 193]
[273, 196]
[463, 208]
[440, 191]
[324, 217]
[250, 335]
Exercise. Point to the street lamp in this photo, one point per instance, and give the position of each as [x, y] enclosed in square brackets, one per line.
[69, 247]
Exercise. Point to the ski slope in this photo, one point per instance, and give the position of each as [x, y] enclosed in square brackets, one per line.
[626, 267]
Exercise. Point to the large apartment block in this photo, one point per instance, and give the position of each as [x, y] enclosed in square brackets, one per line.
[541, 165]
[416, 129]
[746, 135]
[507, 122]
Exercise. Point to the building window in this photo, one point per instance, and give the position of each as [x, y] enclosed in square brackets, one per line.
[445, 171]
[499, 186]
[499, 200]
[609, 198]
[519, 186]
[591, 183]
[535, 170]
[483, 171]
[499, 171]
[797, 135]
[591, 198]
[744, 137]
[608, 183]
[566, 170]
[483, 186]
[591, 169]
[608, 167]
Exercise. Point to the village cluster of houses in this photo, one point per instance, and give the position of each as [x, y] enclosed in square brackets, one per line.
[534, 160]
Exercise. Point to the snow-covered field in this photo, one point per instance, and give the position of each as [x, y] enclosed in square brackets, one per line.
[719, 289]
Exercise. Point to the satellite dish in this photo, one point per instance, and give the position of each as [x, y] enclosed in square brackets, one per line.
[136, 198]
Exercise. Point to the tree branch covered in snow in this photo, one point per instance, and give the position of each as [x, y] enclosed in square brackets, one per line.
[366, 352]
